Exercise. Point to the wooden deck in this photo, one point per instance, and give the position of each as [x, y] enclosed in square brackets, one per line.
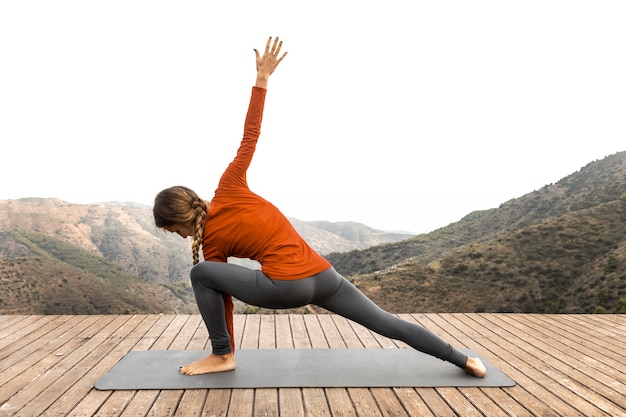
[564, 365]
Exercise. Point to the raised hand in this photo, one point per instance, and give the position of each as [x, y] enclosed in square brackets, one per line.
[267, 63]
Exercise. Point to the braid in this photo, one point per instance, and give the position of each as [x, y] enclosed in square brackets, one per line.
[200, 213]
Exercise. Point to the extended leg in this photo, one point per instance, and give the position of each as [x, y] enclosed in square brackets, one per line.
[351, 303]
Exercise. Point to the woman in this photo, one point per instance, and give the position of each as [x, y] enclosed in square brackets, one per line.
[237, 222]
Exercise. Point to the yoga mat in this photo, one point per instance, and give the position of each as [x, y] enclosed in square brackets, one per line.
[279, 368]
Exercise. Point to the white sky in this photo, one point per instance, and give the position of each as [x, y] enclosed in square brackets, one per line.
[401, 115]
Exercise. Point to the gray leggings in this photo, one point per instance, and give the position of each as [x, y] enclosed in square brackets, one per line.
[327, 289]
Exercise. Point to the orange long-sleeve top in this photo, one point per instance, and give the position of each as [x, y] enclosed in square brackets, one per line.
[244, 225]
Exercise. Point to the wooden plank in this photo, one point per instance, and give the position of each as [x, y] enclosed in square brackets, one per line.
[27, 354]
[520, 355]
[486, 404]
[435, 403]
[8, 323]
[459, 403]
[388, 403]
[191, 403]
[149, 339]
[250, 334]
[367, 337]
[142, 339]
[100, 365]
[299, 332]
[583, 391]
[291, 331]
[362, 399]
[23, 346]
[604, 343]
[315, 332]
[242, 400]
[266, 399]
[165, 339]
[347, 333]
[592, 357]
[167, 401]
[198, 335]
[330, 331]
[563, 365]
[142, 401]
[315, 403]
[502, 399]
[53, 383]
[593, 337]
[290, 402]
[338, 398]
[340, 403]
[200, 338]
[147, 399]
[284, 337]
[267, 332]
[23, 333]
[480, 343]
[23, 320]
[239, 324]
[266, 402]
[612, 325]
[23, 379]
[115, 404]
[241, 403]
[412, 402]
[102, 404]
[189, 328]
[363, 402]
[217, 402]
[79, 380]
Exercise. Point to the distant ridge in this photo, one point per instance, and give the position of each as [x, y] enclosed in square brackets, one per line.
[557, 249]
[571, 236]
[109, 258]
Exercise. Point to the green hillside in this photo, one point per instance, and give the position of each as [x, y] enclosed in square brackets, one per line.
[559, 249]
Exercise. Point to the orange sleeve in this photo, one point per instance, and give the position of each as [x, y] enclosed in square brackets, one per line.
[235, 174]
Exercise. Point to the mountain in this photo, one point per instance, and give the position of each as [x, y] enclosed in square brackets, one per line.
[109, 258]
[557, 249]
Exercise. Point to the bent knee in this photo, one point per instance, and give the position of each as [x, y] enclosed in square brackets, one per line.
[212, 274]
[200, 272]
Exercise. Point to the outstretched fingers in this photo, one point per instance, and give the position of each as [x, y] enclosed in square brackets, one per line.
[274, 49]
[268, 44]
[270, 59]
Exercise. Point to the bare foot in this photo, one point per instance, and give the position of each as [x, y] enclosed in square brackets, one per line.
[209, 364]
[475, 367]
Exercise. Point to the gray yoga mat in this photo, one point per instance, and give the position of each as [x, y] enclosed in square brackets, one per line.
[279, 368]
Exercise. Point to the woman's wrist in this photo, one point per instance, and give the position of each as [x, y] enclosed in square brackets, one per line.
[261, 81]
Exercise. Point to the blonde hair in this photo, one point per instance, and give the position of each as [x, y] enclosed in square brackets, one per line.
[181, 205]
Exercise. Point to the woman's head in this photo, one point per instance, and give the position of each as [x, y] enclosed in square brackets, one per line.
[174, 205]
[179, 210]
